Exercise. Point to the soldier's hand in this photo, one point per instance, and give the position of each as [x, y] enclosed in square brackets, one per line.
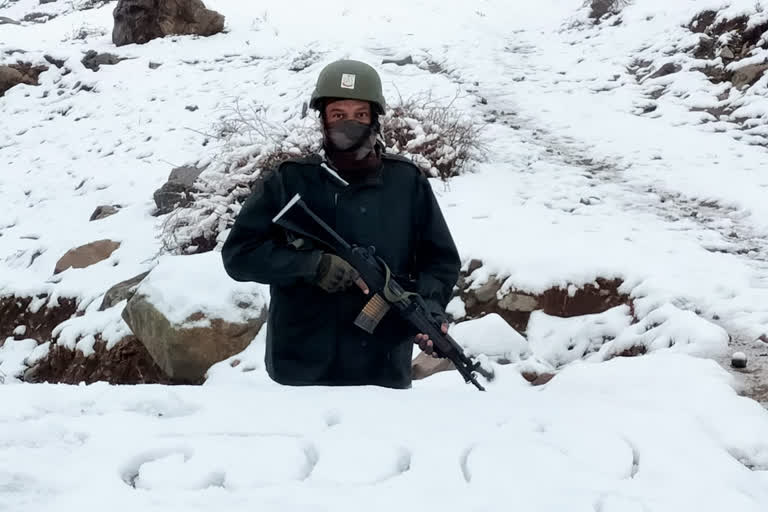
[334, 274]
[426, 345]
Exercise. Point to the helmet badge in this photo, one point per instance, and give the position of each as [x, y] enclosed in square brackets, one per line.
[348, 81]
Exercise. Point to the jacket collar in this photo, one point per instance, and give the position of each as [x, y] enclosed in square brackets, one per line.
[376, 179]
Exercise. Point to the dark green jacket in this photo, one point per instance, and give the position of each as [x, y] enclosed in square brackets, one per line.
[311, 338]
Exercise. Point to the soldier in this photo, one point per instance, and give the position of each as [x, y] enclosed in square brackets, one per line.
[370, 198]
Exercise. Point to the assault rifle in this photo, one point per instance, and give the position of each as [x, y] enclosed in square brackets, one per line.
[386, 292]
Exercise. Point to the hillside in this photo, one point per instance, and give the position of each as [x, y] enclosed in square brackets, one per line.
[614, 204]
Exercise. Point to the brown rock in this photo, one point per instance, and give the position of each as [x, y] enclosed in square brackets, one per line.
[94, 60]
[588, 299]
[543, 379]
[10, 77]
[474, 265]
[424, 366]
[667, 69]
[600, 8]
[139, 21]
[763, 338]
[748, 75]
[399, 62]
[59, 63]
[185, 352]
[123, 290]
[538, 379]
[39, 17]
[19, 73]
[637, 350]
[487, 292]
[727, 53]
[514, 301]
[104, 211]
[177, 191]
[86, 255]
[702, 21]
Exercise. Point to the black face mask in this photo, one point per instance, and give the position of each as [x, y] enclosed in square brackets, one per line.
[354, 138]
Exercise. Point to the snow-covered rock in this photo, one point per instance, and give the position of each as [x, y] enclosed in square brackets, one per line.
[86, 255]
[139, 21]
[15, 74]
[190, 315]
[492, 336]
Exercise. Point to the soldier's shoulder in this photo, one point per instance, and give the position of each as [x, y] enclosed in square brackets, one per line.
[302, 161]
[401, 163]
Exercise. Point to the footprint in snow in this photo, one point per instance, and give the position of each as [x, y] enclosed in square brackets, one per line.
[359, 461]
[229, 462]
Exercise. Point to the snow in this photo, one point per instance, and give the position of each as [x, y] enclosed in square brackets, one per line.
[490, 335]
[596, 434]
[671, 328]
[560, 341]
[181, 286]
[108, 324]
[12, 355]
[607, 216]
[575, 185]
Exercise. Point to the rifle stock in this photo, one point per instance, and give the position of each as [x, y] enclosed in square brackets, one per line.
[385, 290]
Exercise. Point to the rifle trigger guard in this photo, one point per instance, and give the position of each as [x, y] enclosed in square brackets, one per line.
[389, 294]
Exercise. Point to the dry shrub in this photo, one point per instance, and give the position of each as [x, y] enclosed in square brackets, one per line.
[440, 140]
[83, 32]
[85, 5]
[437, 137]
[248, 142]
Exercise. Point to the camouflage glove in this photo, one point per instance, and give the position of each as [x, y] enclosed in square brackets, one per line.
[335, 274]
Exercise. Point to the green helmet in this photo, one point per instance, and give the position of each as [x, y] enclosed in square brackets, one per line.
[348, 79]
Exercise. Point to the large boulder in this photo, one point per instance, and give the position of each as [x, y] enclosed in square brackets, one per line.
[10, 77]
[20, 73]
[86, 255]
[139, 21]
[189, 314]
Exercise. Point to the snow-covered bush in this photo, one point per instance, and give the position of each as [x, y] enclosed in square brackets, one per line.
[247, 144]
[84, 5]
[83, 32]
[440, 140]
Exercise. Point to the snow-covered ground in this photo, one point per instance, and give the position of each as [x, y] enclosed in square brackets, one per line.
[575, 186]
[598, 437]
